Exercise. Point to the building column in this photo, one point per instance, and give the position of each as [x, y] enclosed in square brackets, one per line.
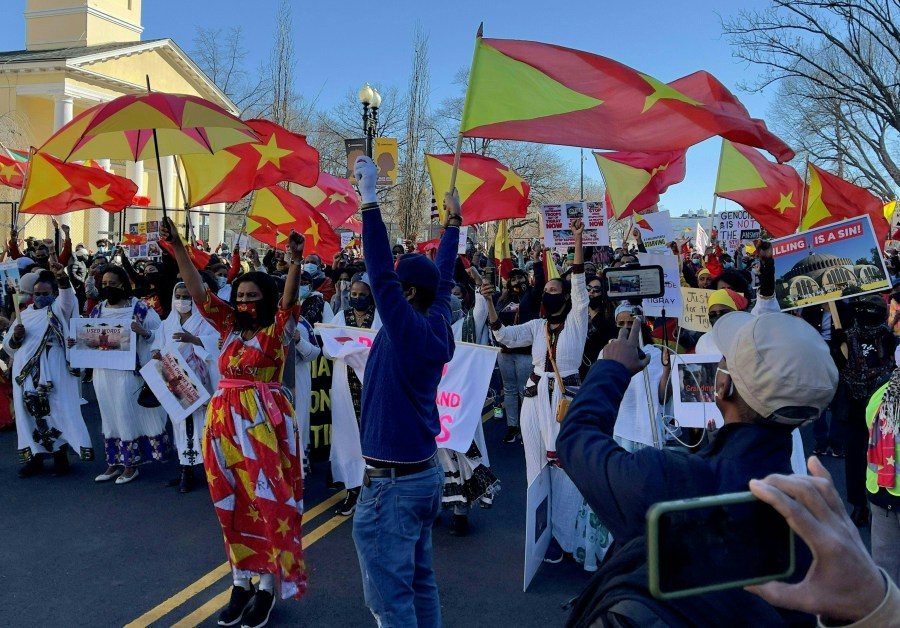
[216, 224]
[63, 112]
[167, 166]
[134, 170]
[96, 220]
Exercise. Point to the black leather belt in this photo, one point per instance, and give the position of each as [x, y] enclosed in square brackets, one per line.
[397, 470]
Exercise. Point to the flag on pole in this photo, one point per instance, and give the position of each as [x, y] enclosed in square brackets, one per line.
[13, 164]
[772, 193]
[501, 250]
[889, 208]
[230, 174]
[550, 269]
[332, 197]
[580, 99]
[831, 199]
[488, 190]
[634, 181]
[702, 241]
[54, 187]
[275, 212]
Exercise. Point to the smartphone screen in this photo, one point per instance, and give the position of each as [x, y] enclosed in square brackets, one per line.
[719, 542]
[636, 282]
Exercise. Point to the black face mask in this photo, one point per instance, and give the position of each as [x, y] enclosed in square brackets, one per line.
[552, 303]
[112, 295]
[360, 304]
[595, 302]
[868, 318]
[896, 297]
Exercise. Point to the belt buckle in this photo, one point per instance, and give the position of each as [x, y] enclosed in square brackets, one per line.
[366, 481]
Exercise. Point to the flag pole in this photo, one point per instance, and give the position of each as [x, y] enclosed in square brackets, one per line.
[459, 138]
[162, 191]
[712, 218]
[187, 207]
[456, 158]
[804, 193]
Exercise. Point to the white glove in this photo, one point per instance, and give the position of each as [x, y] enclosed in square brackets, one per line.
[366, 176]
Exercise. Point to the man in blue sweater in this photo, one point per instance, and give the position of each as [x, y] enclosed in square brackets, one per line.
[401, 492]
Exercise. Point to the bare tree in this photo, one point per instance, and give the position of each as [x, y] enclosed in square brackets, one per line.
[221, 55]
[837, 64]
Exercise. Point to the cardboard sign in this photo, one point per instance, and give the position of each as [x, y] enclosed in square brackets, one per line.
[175, 384]
[830, 263]
[693, 313]
[735, 228]
[537, 524]
[694, 387]
[671, 300]
[659, 233]
[103, 343]
[556, 224]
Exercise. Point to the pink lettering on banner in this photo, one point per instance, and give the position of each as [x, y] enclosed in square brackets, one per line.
[786, 247]
[444, 436]
[446, 366]
[448, 399]
[838, 233]
[365, 340]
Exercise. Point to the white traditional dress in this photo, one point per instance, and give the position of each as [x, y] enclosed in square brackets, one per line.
[347, 464]
[39, 365]
[132, 434]
[538, 417]
[305, 352]
[203, 360]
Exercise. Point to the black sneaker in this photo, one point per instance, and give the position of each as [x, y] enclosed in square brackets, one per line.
[60, 463]
[513, 435]
[348, 506]
[239, 602]
[31, 468]
[554, 552]
[257, 614]
[459, 525]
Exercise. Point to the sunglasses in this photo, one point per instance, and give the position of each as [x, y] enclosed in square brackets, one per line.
[595, 289]
[714, 316]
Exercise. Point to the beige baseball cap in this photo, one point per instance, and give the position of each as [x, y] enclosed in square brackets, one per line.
[779, 363]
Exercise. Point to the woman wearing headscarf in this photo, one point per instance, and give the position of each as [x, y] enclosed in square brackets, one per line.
[347, 464]
[557, 344]
[250, 445]
[198, 344]
[133, 435]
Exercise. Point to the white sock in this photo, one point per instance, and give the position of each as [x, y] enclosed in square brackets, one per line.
[244, 583]
[267, 582]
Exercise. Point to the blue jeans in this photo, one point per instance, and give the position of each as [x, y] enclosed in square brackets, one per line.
[514, 370]
[392, 532]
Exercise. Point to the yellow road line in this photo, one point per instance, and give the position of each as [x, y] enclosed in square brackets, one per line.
[166, 607]
[201, 614]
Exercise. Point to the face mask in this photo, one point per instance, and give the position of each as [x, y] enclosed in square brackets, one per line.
[112, 295]
[361, 303]
[221, 282]
[343, 284]
[182, 306]
[868, 318]
[151, 279]
[695, 261]
[312, 269]
[595, 302]
[44, 300]
[246, 314]
[727, 264]
[552, 303]
[101, 250]
[304, 292]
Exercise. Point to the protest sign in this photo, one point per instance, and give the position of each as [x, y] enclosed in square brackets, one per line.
[103, 343]
[346, 239]
[461, 392]
[828, 263]
[175, 384]
[463, 240]
[693, 312]
[671, 300]
[655, 230]
[537, 524]
[142, 239]
[9, 279]
[556, 224]
[321, 370]
[694, 388]
[736, 228]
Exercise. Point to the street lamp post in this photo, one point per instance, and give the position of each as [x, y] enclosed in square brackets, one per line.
[371, 101]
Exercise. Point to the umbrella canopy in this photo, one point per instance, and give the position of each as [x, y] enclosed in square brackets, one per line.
[123, 129]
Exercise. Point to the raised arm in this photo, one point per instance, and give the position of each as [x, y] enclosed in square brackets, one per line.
[293, 253]
[446, 255]
[189, 273]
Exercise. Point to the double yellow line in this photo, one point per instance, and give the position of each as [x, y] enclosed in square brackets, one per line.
[220, 600]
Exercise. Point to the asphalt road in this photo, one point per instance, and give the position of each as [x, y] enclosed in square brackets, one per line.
[76, 553]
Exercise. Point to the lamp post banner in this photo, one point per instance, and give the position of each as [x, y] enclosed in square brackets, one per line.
[355, 147]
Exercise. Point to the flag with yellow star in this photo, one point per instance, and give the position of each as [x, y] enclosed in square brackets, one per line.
[831, 199]
[230, 174]
[536, 92]
[772, 193]
[634, 181]
[488, 190]
[54, 187]
[332, 197]
[275, 212]
[13, 164]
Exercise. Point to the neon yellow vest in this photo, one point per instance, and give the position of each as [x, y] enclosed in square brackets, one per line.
[871, 469]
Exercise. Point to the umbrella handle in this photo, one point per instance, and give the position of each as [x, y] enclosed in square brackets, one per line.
[162, 190]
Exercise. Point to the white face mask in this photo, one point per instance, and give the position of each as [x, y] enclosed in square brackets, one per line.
[221, 281]
[182, 306]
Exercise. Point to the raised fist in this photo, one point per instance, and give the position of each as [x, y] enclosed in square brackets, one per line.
[366, 176]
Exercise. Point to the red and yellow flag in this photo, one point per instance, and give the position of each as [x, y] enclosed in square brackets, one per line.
[488, 190]
[831, 199]
[275, 212]
[502, 257]
[13, 164]
[634, 181]
[231, 174]
[535, 92]
[55, 187]
[772, 193]
[332, 197]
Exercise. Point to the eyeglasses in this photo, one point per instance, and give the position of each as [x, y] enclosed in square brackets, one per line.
[714, 316]
[595, 289]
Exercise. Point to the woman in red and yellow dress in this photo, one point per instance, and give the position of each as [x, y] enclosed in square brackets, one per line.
[250, 445]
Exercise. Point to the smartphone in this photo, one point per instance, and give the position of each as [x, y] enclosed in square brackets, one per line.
[634, 282]
[712, 543]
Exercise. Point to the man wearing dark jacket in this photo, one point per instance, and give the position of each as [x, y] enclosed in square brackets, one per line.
[401, 492]
[776, 374]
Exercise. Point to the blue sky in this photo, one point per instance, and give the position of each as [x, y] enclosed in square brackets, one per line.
[341, 45]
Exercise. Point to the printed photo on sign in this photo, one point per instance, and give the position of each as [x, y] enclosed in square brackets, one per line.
[694, 388]
[829, 263]
[574, 210]
[102, 343]
[655, 230]
[175, 384]
[556, 222]
[9, 279]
